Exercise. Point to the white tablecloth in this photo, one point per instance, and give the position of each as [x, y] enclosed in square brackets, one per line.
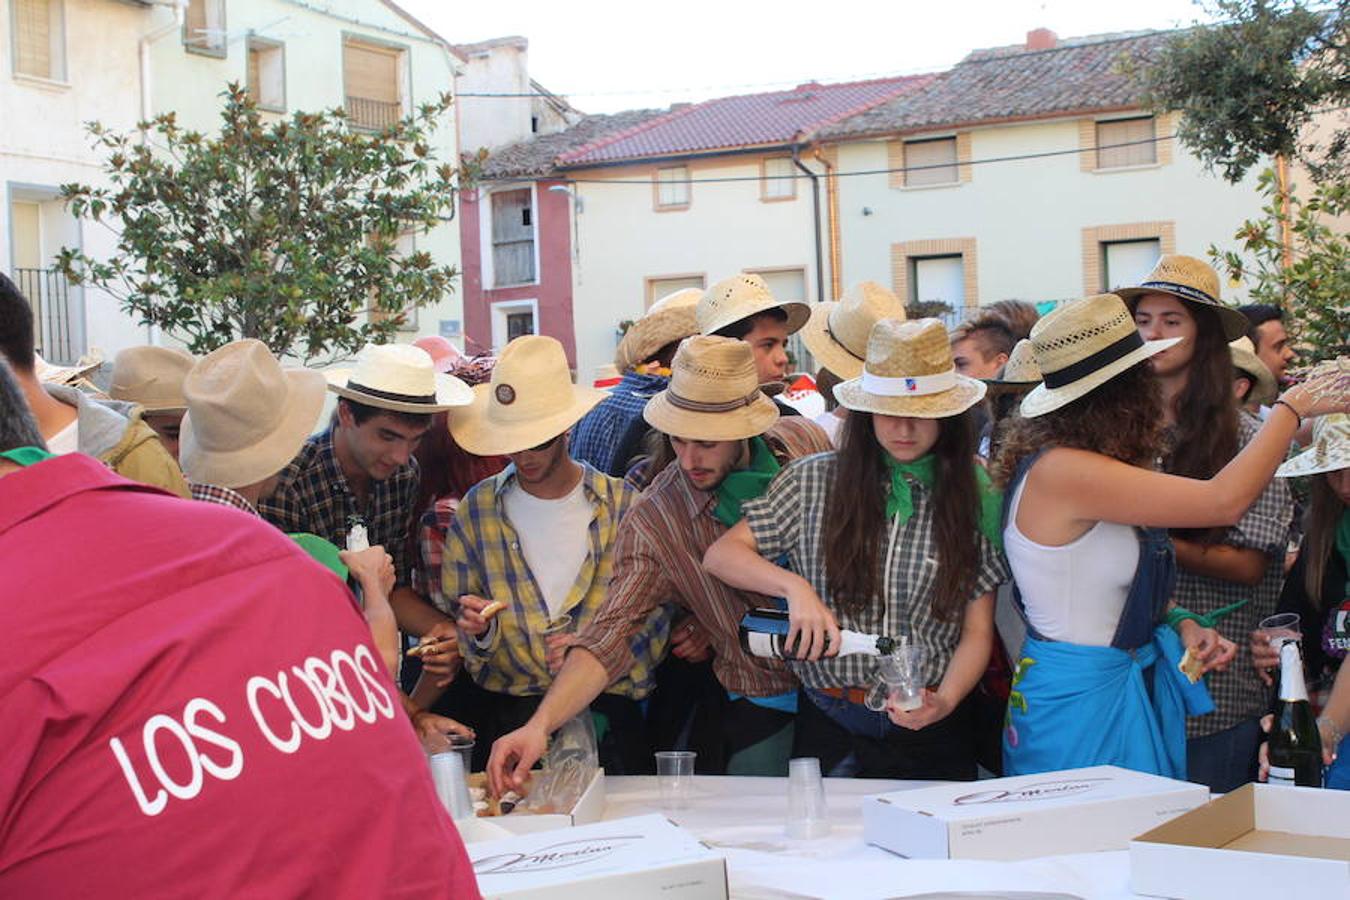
[744, 818]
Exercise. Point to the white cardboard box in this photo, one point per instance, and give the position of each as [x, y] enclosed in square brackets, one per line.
[644, 856]
[1074, 811]
[1258, 841]
[589, 808]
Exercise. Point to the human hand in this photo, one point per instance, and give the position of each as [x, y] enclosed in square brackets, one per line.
[689, 641]
[372, 568]
[557, 644]
[471, 619]
[439, 652]
[513, 755]
[1265, 658]
[1213, 650]
[935, 708]
[812, 629]
[1325, 390]
[432, 730]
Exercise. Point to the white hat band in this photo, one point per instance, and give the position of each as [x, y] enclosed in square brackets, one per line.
[911, 386]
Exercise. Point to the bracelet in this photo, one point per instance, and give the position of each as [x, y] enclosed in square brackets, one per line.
[1289, 406]
[1179, 614]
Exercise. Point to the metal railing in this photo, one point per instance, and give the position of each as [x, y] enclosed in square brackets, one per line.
[373, 114]
[49, 294]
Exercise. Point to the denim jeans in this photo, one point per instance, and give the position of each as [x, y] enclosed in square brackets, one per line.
[1225, 760]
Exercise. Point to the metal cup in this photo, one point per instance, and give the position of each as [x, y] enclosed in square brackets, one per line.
[452, 786]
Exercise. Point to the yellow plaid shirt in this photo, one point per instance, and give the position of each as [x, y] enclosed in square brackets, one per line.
[483, 557]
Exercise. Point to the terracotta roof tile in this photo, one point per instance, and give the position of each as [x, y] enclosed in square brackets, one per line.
[536, 156]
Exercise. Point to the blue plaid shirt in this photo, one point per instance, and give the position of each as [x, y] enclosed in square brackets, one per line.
[608, 435]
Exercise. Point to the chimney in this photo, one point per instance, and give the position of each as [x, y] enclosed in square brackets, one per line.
[1041, 39]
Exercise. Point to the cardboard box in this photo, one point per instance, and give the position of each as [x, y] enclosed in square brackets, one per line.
[1074, 811]
[589, 808]
[1258, 841]
[644, 856]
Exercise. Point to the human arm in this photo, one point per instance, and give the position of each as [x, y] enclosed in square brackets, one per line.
[1241, 565]
[967, 666]
[430, 728]
[373, 570]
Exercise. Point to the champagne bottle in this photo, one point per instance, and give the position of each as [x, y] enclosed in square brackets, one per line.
[1295, 746]
[764, 632]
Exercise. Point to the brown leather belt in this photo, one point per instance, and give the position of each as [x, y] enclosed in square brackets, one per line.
[855, 695]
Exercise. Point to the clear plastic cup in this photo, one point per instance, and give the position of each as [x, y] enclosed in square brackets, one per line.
[807, 816]
[464, 747]
[899, 679]
[1281, 627]
[452, 786]
[675, 777]
[554, 637]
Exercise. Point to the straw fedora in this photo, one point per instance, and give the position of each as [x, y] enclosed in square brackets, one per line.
[152, 377]
[714, 393]
[247, 416]
[1245, 360]
[1192, 280]
[1020, 370]
[398, 377]
[1082, 345]
[48, 373]
[529, 401]
[444, 355]
[837, 332]
[740, 297]
[910, 372]
[672, 318]
[1330, 450]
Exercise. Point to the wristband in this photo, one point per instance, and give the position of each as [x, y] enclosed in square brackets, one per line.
[1179, 614]
[1289, 406]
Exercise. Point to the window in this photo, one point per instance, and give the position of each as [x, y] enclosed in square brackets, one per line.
[38, 33]
[519, 323]
[204, 27]
[267, 74]
[938, 278]
[931, 162]
[372, 83]
[512, 238]
[1125, 263]
[672, 187]
[1126, 142]
[668, 284]
[511, 319]
[776, 181]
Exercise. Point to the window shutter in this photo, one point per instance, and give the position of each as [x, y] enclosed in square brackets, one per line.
[512, 238]
[33, 37]
[371, 73]
[930, 162]
[1136, 140]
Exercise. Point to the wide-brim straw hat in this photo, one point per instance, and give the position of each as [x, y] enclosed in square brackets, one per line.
[1194, 281]
[909, 371]
[1082, 345]
[837, 332]
[714, 393]
[247, 416]
[49, 373]
[398, 377]
[1020, 372]
[529, 401]
[740, 297]
[1330, 450]
[1245, 360]
[152, 377]
[672, 318]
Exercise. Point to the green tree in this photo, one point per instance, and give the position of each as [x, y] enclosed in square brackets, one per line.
[1247, 88]
[282, 231]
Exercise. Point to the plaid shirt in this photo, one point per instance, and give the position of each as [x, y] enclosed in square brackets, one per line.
[432, 528]
[1238, 693]
[791, 437]
[214, 493]
[483, 557]
[313, 496]
[659, 557]
[612, 429]
[790, 519]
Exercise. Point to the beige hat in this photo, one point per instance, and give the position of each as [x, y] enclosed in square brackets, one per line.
[1330, 450]
[1020, 370]
[740, 297]
[1192, 280]
[247, 417]
[672, 318]
[1082, 345]
[399, 377]
[47, 373]
[714, 393]
[1245, 360]
[837, 331]
[152, 377]
[529, 401]
[910, 372]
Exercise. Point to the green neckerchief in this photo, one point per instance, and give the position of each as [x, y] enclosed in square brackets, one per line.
[27, 456]
[745, 484]
[900, 500]
[1343, 545]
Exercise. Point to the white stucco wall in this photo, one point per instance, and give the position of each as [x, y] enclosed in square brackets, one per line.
[494, 122]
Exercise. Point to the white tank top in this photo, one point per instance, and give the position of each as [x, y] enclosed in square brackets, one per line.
[1074, 592]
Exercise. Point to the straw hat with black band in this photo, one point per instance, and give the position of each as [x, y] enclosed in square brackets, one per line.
[1264, 389]
[837, 332]
[152, 377]
[398, 377]
[739, 297]
[1194, 281]
[910, 372]
[714, 393]
[529, 401]
[1330, 450]
[1082, 345]
[1020, 372]
[672, 318]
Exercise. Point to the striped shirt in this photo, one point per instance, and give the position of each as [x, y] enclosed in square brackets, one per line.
[483, 557]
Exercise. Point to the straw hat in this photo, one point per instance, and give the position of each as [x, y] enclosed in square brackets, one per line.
[837, 331]
[1020, 370]
[444, 355]
[1192, 280]
[247, 417]
[910, 372]
[47, 373]
[152, 377]
[529, 401]
[714, 393]
[1082, 345]
[740, 297]
[398, 377]
[1330, 450]
[672, 318]
[1245, 360]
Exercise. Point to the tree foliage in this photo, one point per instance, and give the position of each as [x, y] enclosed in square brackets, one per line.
[284, 231]
[1248, 87]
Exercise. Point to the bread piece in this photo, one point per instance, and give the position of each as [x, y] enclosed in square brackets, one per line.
[492, 609]
[1191, 666]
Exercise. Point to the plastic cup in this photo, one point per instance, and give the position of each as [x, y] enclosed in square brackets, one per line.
[464, 747]
[1281, 627]
[675, 777]
[452, 787]
[807, 817]
[899, 679]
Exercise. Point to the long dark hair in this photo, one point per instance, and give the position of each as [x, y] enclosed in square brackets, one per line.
[1319, 534]
[855, 517]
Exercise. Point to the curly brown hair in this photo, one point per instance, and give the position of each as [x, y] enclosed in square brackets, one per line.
[1121, 419]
